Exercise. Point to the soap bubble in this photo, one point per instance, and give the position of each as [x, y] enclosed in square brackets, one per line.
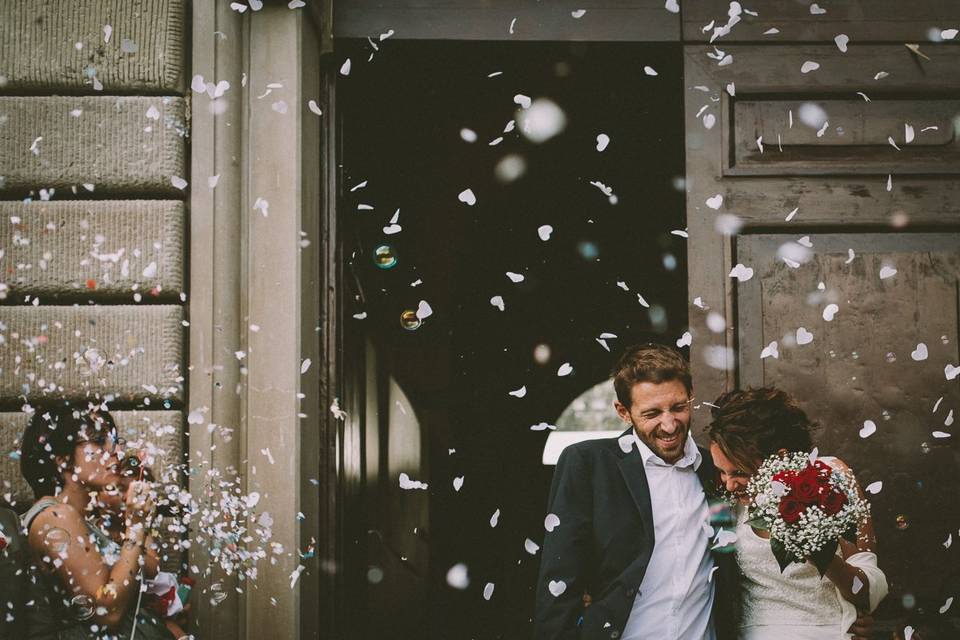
[82, 607]
[385, 257]
[57, 540]
[409, 320]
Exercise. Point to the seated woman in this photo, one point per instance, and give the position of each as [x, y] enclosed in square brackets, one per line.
[748, 427]
[85, 585]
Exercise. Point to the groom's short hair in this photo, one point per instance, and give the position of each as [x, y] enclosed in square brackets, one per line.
[656, 363]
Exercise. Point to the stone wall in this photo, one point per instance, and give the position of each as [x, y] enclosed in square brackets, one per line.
[94, 127]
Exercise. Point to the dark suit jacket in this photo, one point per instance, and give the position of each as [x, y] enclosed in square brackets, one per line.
[603, 544]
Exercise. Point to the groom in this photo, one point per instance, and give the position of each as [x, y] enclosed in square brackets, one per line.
[634, 538]
[634, 527]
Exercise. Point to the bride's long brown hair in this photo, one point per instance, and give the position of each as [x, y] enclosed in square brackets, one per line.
[753, 424]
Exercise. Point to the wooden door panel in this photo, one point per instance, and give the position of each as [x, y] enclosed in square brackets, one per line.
[843, 136]
[802, 21]
[864, 364]
[800, 207]
[824, 189]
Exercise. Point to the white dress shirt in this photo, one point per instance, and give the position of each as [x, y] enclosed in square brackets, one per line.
[676, 596]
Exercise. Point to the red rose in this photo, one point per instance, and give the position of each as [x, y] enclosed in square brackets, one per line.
[787, 477]
[806, 487]
[790, 509]
[832, 501]
[823, 472]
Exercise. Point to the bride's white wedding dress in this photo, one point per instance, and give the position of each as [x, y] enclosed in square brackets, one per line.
[796, 604]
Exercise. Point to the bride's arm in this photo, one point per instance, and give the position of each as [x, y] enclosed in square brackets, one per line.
[851, 581]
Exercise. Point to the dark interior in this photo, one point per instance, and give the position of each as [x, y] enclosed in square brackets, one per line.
[401, 115]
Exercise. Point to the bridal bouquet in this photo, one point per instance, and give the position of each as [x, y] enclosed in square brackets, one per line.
[807, 506]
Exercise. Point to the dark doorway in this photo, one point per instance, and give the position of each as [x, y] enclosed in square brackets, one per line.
[433, 402]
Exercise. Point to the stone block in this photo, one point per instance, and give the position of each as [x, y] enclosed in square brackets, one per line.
[104, 145]
[131, 354]
[89, 45]
[85, 249]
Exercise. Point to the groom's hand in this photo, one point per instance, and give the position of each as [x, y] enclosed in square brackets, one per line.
[862, 627]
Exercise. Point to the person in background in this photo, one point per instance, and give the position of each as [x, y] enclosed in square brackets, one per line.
[85, 585]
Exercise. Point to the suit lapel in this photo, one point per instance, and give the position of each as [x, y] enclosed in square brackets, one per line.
[631, 467]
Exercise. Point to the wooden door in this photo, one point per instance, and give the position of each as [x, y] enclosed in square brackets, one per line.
[830, 178]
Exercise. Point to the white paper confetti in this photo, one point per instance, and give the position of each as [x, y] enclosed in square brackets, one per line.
[495, 518]
[685, 340]
[497, 301]
[715, 202]
[557, 587]
[531, 547]
[868, 429]
[809, 66]
[770, 351]
[565, 369]
[804, 336]
[345, 67]
[842, 41]
[874, 487]
[407, 484]
[830, 311]
[515, 277]
[887, 272]
[602, 141]
[741, 272]
[544, 232]
[467, 197]
[458, 483]
[457, 576]
[488, 591]
[518, 393]
[551, 522]
[424, 310]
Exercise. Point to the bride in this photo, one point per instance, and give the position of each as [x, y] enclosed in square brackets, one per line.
[749, 426]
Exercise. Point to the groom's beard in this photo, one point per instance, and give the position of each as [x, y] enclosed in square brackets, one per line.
[668, 448]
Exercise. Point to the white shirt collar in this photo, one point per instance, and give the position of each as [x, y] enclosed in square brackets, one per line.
[691, 454]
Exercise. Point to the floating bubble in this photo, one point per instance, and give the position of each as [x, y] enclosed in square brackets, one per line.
[542, 120]
[82, 606]
[374, 575]
[902, 522]
[385, 257]
[510, 168]
[409, 320]
[812, 115]
[541, 354]
[217, 594]
[57, 540]
[669, 261]
[909, 601]
[658, 318]
[588, 250]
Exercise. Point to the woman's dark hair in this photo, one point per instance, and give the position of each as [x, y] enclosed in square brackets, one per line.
[54, 431]
[654, 363]
[754, 424]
